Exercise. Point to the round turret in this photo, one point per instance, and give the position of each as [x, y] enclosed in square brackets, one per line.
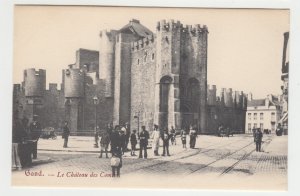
[74, 83]
[34, 82]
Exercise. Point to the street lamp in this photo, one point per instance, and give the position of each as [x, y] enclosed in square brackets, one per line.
[96, 102]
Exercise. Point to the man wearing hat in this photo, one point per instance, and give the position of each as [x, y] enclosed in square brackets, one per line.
[143, 137]
[35, 132]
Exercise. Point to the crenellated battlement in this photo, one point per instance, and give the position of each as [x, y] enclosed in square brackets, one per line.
[169, 25]
[195, 30]
[142, 43]
[110, 34]
[34, 82]
[74, 83]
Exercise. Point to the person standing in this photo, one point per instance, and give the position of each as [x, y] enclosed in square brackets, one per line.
[127, 135]
[122, 139]
[35, 133]
[173, 135]
[133, 142]
[166, 137]
[66, 134]
[183, 138]
[104, 142]
[116, 162]
[258, 139]
[156, 138]
[193, 136]
[114, 139]
[143, 137]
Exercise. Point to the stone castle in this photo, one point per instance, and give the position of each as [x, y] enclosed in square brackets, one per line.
[139, 77]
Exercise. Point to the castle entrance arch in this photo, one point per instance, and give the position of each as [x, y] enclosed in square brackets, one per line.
[164, 101]
[190, 105]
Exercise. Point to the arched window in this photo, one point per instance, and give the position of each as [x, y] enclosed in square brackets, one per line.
[193, 93]
[165, 83]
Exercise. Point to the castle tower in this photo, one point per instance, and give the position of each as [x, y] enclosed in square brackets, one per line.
[107, 60]
[74, 92]
[167, 94]
[34, 86]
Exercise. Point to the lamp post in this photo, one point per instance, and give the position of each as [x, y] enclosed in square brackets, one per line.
[96, 102]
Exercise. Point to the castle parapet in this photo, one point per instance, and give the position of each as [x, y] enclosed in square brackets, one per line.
[142, 43]
[74, 83]
[34, 82]
[169, 25]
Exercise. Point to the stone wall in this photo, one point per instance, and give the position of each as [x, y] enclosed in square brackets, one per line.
[143, 60]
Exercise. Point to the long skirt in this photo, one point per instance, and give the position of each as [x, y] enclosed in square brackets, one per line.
[155, 144]
[192, 141]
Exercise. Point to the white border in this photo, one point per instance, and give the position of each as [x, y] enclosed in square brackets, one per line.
[6, 56]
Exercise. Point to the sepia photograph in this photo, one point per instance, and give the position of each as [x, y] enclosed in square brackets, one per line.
[149, 97]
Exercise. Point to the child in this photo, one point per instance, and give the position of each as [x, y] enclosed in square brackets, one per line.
[133, 141]
[116, 162]
[183, 138]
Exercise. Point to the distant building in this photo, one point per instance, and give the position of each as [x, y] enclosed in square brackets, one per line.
[263, 113]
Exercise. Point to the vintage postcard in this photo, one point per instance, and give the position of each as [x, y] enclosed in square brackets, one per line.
[141, 97]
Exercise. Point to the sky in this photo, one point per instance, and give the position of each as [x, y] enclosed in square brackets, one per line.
[245, 46]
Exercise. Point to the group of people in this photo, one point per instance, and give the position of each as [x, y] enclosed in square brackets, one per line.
[118, 138]
[222, 131]
[25, 131]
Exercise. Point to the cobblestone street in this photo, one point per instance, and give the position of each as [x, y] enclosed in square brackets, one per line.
[215, 162]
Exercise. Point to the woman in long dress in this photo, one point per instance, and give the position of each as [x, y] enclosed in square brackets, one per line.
[193, 136]
[155, 137]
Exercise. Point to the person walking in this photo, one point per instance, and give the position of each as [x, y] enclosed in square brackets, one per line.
[143, 137]
[133, 141]
[193, 137]
[258, 139]
[183, 138]
[104, 143]
[166, 137]
[35, 133]
[66, 134]
[156, 138]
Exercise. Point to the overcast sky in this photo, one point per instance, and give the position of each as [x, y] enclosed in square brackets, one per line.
[244, 45]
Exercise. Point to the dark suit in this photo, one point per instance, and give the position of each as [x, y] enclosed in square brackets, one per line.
[258, 139]
[35, 133]
[143, 136]
[66, 133]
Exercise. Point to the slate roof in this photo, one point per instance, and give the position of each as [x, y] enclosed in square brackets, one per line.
[256, 102]
[135, 27]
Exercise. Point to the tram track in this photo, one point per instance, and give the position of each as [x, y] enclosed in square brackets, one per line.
[197, 152]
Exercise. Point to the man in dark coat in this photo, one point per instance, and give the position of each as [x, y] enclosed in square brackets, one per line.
[258, 139]
[133, 141]
[104, 142]
[115, 139]
[143, 137]
[35, 133]
[166, 137]
[66, 134]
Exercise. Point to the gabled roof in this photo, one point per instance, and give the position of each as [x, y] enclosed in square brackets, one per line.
[136, 28]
